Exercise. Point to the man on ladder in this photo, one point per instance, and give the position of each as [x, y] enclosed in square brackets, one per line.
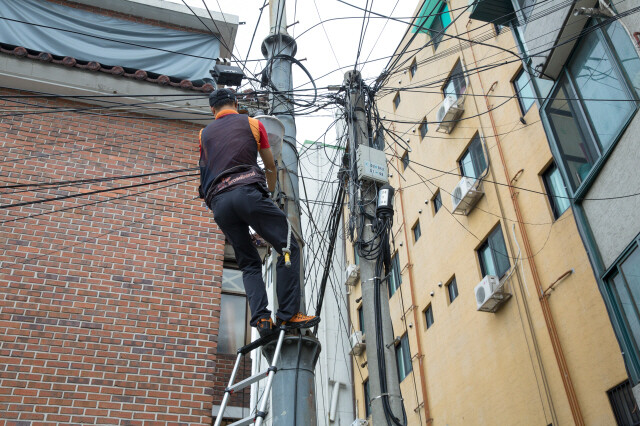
[234, 188]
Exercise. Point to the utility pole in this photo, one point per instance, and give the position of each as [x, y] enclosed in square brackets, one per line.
[359, 135]
[293, 394]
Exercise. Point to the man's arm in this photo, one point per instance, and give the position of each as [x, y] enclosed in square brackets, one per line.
[270, 167]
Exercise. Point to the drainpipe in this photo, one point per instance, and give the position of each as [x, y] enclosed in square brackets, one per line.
[419, 355]
[544, 302]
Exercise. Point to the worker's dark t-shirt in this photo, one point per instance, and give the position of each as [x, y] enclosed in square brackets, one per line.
[229, 153]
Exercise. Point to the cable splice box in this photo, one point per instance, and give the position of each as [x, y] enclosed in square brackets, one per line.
[372, 164]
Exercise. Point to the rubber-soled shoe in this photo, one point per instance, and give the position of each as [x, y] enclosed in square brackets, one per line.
[265, 327]
[299, 320]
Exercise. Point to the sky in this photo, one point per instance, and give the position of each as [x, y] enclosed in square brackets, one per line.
[324, 48]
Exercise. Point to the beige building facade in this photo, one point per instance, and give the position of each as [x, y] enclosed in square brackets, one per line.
[540, 350]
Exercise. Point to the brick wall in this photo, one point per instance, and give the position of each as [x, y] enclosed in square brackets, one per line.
[109, 312]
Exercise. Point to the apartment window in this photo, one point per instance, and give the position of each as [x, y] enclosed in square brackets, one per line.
[473, 162]
[436, 202]
[423, 128]
[395, 277]
[623, 404]
[367, 398]
[456, 84]
[494, 259]
[361, 319]
[403, 358]
[428, 315]
[556, 191]
[234, 315]
[593, 100]
[624, 284]
[413, 69]
[524, 90]
[378, 140]
[439, 24]
[356, 257]
[405, 160]
[416, 231]
[452, 290]
[396, 100]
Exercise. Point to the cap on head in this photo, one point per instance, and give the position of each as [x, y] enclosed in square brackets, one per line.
[221, 95]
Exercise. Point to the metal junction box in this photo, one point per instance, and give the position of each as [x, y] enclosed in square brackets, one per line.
[372, 164]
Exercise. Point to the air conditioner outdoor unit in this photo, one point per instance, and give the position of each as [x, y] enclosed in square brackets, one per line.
[353, 274]
[357, 342]
[359, 422]
[465, 195]
[448, 113]
[490, 294]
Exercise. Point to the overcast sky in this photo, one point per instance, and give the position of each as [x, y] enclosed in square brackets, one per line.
[317, 47]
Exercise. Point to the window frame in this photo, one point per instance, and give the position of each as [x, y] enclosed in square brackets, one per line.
[439, 37]
[423, 128]
[416, 226]
[486, 243]
[453, 283]
[631, 349]
[405, 160]
[602, 152]
[396, 101]
[551, 194]
[366, 396]
[403, 351]
[361, 319]
[396, 274]
[233, 293]
[437, 199]
[518, 90]
[470, 150]
[428, 313]
[459, 76]
[413, 68]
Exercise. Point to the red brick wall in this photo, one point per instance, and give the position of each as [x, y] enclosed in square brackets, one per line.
[109, 312]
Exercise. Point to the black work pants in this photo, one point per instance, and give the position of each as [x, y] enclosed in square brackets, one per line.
[246, 206]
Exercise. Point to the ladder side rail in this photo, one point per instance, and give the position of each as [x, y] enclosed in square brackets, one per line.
[267, 390]
[225, 399]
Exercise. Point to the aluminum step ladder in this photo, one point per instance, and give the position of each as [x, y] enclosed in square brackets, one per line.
[258, 418]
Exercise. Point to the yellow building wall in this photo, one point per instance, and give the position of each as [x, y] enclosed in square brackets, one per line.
[483, 368]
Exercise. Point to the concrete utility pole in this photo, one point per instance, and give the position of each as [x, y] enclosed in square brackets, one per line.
[359, 135]
[299, 353]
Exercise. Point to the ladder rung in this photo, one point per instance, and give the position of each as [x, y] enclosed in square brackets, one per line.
[249, 380]
[246, 421]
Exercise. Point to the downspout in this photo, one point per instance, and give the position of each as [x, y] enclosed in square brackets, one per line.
[419, 355]
[544, 303]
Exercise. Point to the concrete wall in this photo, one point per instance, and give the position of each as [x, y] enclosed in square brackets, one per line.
[614, 223]
[483, 368]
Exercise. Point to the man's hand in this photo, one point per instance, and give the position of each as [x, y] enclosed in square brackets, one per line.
[269, 168]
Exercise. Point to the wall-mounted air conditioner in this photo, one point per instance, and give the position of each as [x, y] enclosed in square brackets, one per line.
[465, 195]
[357, 342]
[353, 274]
[490, 294]
[449, 112]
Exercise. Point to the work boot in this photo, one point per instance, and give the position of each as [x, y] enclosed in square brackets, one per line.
[265, 327]
[299, 320]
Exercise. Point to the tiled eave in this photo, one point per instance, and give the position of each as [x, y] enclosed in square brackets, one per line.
[140, 75]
